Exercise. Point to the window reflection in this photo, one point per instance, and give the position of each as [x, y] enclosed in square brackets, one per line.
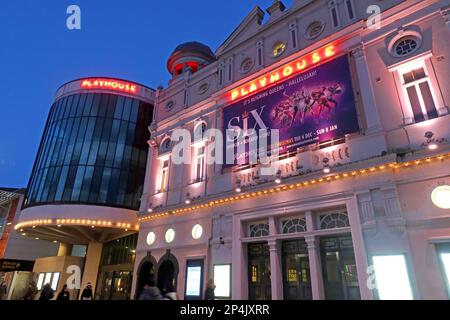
[93, 150]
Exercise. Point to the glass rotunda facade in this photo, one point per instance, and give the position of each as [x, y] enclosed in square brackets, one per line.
[93, 150]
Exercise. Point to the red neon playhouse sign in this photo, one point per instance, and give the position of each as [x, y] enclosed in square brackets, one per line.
[109, 84]
[283, 72]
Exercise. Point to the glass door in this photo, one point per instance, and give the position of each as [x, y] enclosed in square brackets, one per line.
[296, 272]
[339, 268]
[259, 272]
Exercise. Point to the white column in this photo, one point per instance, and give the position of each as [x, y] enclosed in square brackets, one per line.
[359, 248]
[147, 180]
[276, 276]
[315, 267]
[367, 94]
[239, 289]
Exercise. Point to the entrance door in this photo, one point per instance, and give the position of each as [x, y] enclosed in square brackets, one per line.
[339, 268]
[259, 287]
[296, 273]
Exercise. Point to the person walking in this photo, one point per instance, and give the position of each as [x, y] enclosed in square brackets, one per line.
[64, 295]
[87, 292]
[171, 293]
[47, 293]
[150, 291]
[210, 287]
[31, 291]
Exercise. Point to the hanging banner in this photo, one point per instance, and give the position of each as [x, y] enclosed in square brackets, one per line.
[315, 106]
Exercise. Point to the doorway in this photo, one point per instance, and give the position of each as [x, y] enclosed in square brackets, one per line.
[167, 275]
[339, 268]
[259, 287]
[296, 272]
[146, 272]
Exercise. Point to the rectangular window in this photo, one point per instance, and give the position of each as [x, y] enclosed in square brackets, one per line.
[200, 167]
[392, 279]
[220, 76]
[443, 251]
[229, 71]
[260, 56]
[294, 38]
[222, 280]
[164, 174]
[350, 9]
[334, 15]
[417, 87]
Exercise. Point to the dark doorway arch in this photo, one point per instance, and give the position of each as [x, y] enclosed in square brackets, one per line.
[167, 275]
[146, 271]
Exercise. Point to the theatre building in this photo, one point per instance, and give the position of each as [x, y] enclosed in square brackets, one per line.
[358, 206]
[83, 192]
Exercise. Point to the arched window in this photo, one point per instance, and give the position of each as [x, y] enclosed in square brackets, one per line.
[294, 225]
[259, 230]
[199, 131]
[334, 220]
[165, 145]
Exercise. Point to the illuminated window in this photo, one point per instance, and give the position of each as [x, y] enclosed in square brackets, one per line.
[151, 237]
[278, 49]
[418, 92]
[334, 13]
[392, 279]
[200, 164]
[55, 280]
[197, 231]
[40, 282]
[170, 235]
[222, 280]
[164, 175]
[441, 197]
[444, 259]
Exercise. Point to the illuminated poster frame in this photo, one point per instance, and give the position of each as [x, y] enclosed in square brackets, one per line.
[191, 266]
[217, 283]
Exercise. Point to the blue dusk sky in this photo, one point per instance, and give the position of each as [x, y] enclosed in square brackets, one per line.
[125, 39]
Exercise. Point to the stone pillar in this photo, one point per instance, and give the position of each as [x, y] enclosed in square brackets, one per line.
[315, 267]
[147, 179]
[359, 248]
[368, 97]
[65, 249]
[91, 264]
[276, 276]
[239, 272]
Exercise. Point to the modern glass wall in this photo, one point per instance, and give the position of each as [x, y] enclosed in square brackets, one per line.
[93, 151]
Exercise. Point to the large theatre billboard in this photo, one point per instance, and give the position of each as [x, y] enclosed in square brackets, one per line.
[314, 106]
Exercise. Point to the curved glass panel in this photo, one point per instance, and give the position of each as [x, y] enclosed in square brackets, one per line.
[93, 151]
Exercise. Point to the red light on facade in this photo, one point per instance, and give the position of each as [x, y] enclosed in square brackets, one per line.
[109, 84]
[284, 72]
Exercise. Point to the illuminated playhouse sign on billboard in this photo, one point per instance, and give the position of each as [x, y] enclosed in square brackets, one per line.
[109, 84]
[316, 105]
[284, 72]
